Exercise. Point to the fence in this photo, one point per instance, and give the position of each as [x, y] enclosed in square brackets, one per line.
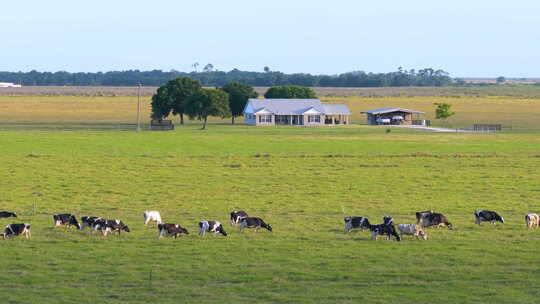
[492, 128]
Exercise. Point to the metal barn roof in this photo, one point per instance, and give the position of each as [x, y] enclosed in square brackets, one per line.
[390, 110]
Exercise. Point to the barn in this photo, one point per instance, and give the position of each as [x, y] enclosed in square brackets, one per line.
[393, 116]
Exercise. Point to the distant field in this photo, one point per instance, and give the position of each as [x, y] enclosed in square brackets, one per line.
[96, 113]
[479, 91]
[302, 181]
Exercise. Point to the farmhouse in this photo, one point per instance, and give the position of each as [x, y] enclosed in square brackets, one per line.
[393, 116]
[294, 112]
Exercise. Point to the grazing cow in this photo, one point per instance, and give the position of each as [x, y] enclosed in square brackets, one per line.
[421, 214]
[356, 222]
[211, 226]
[532, 220]
[253, 222]
[6, 214]
[236, 216]
[89, 221]
[106, 226]
[412, 229]
[487, 216]
[152, 216]
[66, 219]
[383, 229]
[435, 219]
[173, 230]
[16, 229]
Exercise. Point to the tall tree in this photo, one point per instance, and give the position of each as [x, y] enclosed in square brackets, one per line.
[290, 92]
[207, 102]
[180, 89]
[172, 96]
[239, 93]
[443, 111]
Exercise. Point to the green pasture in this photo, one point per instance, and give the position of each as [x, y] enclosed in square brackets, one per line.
[302, 181]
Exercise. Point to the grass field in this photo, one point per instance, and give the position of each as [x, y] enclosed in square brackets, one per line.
[301, 180]
[100, 113]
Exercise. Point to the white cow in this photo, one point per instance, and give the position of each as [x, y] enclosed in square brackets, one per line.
[152, 216]
[532, 220]
[412, 229]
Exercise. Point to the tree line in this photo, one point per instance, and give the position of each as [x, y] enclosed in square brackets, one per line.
[186, 96]
[215, 78]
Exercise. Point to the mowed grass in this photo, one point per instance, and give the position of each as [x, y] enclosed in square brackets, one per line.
[516, 114]
[300, 180]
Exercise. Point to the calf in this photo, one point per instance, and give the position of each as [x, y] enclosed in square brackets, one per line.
[211, 226]
[89, 221]
[173, 230]
[421, 214]
[106, 226]
[532, 220]
[16, 229]
[435, 219]
[487, 216]
[253, 222]
[383, 229]
[412, 229]
[356, 222]
[6, 214]
[65, 219]
[152, 216]
[236, 216]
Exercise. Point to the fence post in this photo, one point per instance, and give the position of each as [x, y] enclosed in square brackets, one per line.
[34, 209]
[150, 279]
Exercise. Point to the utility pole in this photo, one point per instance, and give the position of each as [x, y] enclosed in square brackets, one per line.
[139, 107]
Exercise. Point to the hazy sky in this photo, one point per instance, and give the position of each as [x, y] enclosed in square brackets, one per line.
[463, 37]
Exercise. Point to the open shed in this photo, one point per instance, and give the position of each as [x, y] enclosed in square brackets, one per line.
[392, 116]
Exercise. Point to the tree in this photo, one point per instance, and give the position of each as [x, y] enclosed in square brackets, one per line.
[501, 79]
[180, 89]
[161, 105]
[290, 92]
[239, 93]
[207, 102]
[208, 68]
[443, 111]
[266, 69]
[172, 96]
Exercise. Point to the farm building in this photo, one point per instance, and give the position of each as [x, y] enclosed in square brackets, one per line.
[393, 116]
[295, 112]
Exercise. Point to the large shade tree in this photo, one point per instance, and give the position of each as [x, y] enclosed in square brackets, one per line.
[290, 92]
[207, 102]
[239, 93]
[172, 97]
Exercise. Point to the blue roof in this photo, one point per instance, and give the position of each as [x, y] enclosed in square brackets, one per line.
[294, 106]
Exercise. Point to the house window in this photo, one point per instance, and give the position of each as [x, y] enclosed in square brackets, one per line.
[265, 118]
[314, 118]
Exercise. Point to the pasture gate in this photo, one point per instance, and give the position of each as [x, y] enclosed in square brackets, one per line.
[487, 128]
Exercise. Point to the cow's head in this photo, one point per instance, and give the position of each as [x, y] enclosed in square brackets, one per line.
[13, 214]
[125, 228]
[73, 221]
[422, 234]
[267, 226]
[183, 230]
[347, 219]
[449, 225]
[500, 218]
[221, 230]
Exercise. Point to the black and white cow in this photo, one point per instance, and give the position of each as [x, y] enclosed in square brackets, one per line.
[16, 229]
[422, 214]
[356, 222]
[384, 229]
[236, 216]
[254, 222]
[487, 216]
[89, 221]
[65, 219]
[6, 214]
[106, 226]
[435, 219]
[173, 230]
[211, 226]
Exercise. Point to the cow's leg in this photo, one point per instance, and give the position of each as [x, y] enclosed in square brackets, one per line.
[374, 236]
[161, 233]
[348, 227]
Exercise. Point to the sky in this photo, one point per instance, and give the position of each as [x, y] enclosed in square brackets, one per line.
[467, 38]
